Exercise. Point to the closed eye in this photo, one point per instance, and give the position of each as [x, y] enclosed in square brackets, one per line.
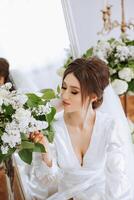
[64, 88]
[74, 93]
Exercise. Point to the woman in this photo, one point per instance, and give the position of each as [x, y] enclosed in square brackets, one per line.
[4, 71]
[88, 161]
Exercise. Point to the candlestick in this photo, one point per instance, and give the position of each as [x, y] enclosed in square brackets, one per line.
[105, 5]
[108, 24]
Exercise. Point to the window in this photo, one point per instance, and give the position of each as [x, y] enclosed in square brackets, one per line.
[33, 37]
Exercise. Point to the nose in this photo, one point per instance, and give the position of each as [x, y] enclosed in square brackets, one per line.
[65, 95]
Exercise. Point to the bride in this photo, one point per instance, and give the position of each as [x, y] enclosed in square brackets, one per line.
[91, 157]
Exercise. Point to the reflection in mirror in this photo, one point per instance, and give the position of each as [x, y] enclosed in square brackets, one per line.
[34, 39]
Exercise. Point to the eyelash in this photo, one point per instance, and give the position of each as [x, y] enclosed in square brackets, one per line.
[74, 93]
[64, 88]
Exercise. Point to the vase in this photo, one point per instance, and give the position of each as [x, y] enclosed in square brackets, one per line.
[128, 105]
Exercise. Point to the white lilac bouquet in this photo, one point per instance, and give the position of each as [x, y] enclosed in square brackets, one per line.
[119, 55]
[21, 114]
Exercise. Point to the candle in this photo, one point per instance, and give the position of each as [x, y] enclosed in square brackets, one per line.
[105, 5]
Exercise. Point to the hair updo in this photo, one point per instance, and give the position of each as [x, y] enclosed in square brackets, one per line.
[93, 76]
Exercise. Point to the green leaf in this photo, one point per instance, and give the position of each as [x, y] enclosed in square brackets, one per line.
[26, 155]
[49, 133]
[8, 155]
[69, 60]
[24, 136]
[58, 89]
[50, 136]
[9, 111]
[33, 100]
[2, 157]
[48, 94]
[131, 86]
[131, 64]
[130, 43]
[50, 116]
[39, 148]
[1, 132]
[111, 40]
[88, 53]
[27, 145]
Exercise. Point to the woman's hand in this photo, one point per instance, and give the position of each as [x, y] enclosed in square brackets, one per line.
[38, 137]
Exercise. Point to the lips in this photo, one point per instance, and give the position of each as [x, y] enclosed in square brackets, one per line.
[66, 103]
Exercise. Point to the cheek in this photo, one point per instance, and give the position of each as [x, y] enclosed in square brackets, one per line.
[77, 101]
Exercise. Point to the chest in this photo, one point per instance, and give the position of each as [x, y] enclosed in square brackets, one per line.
[75, 148]
[80, 141]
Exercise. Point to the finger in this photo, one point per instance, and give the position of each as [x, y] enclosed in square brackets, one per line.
[38, 138]
[32, 136]
[36, 132]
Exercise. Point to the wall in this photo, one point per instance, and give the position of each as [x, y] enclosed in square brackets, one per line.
[87, 20]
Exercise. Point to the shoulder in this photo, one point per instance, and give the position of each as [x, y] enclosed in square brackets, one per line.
[112, 129]
[105, 118]
[106, 121]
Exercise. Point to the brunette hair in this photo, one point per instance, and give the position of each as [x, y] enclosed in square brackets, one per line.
[4, 68]
[93, 75]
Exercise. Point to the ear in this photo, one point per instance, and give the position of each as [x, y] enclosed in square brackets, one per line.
[94, 98]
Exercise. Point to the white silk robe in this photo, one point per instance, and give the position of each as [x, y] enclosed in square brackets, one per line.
[103, 175]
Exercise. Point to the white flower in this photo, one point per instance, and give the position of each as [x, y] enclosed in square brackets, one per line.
[18, 100]
[112, 71]
[21, 99]
[22, 115]
[102, 50]
[11, 126]
[36, 125]
[1, 102]
[4, 95]
[126, 73]
[43, 109]
[131, 51]
[122, 53]
[7, 86]
[119, 86]
[4, 149]
[41, 125]
[11, 138]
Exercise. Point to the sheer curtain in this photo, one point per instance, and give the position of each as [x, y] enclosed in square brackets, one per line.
[33, 37]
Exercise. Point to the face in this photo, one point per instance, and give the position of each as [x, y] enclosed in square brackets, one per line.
[71, 94]
[2, 80]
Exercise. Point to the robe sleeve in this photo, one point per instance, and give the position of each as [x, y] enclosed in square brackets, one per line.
[42, 171]
[117, 184]
[43, 180]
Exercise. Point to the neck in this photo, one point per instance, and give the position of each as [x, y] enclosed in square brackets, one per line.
[80, 119]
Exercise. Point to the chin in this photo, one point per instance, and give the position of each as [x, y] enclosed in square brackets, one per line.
[67, 110]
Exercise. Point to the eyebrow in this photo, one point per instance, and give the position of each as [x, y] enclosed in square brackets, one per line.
[74, 87]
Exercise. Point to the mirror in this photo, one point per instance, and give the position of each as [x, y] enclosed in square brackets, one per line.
[34, 40]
